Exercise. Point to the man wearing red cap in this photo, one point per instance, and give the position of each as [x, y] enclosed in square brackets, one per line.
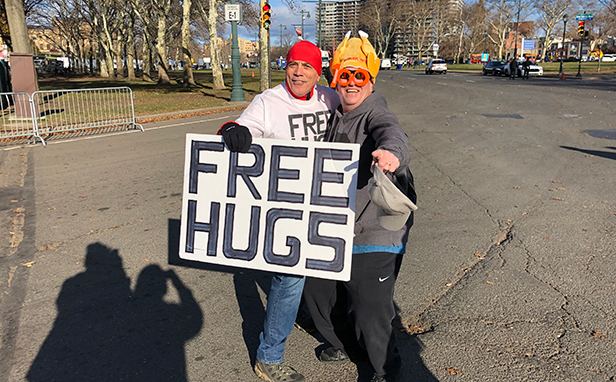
[298, 109]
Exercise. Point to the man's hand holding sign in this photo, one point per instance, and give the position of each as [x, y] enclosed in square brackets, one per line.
[282, 206]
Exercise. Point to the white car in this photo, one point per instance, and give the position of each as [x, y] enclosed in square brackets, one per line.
[386, 63]
[609, 57]
[436, 65]
[535, 70]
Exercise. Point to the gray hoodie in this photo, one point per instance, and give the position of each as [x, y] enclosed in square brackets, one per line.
[374, 126]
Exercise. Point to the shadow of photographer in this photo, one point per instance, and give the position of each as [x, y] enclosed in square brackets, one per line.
[104, 331]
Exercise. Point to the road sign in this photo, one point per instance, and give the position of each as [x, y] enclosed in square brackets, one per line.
[528, 45]
[584, 17]
[435, 47]
[233, 12]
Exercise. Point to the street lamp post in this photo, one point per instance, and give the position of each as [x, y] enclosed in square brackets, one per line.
[285, 28]
[237, 94]
[303, 17]
[562, 53]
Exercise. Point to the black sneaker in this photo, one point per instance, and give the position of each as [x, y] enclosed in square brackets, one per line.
[380, 378]
[278, 372]
[333, 356]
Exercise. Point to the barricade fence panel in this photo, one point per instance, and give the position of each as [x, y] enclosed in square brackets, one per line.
[16, 113]
[70, 110]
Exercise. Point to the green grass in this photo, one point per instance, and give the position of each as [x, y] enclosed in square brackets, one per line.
[551, 67]
[151, 98]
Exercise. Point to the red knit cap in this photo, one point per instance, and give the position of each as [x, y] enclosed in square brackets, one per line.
[307, 52]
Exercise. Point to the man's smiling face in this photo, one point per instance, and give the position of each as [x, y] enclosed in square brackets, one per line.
[301, 77]
[352, 95]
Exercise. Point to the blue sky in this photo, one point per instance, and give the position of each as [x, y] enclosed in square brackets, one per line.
[282, 15]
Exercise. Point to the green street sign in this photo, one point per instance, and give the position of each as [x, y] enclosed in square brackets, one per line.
[584, 17]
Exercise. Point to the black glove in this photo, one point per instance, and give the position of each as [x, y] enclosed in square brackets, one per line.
[236, 137]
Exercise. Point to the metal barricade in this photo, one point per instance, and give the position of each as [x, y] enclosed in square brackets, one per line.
[79, 109]
[16, 113]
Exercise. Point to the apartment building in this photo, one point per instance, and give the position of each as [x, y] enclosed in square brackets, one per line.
[334, 19]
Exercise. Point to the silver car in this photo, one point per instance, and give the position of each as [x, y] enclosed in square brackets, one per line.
[436, 65]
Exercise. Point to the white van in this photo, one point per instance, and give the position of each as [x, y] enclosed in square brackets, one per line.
[386, 63]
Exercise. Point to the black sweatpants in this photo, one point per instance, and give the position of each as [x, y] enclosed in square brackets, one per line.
[370, 308]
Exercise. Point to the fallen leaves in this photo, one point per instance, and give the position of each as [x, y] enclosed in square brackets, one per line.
[597, 334]
[414, 329]
[453, 371]
[559, 199]
[29, 264]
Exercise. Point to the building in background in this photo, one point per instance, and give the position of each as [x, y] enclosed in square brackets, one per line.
[334, 19]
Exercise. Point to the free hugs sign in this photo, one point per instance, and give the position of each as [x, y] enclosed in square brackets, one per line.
[285, 206]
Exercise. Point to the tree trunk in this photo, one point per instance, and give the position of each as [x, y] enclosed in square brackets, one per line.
[110, 66]
[118, 57]
[130, 50]
[188, 72]
[219, 82]
[163, 73]
[102, 63]
[20, 41]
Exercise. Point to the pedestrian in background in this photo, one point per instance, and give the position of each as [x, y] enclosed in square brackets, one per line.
[526, 68]
[513, 68]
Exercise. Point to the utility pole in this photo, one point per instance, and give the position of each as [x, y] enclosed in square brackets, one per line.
[517, 28]
[264, 48]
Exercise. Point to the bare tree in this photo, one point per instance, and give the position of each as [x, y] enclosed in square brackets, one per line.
[209, 15]
[381, 20]
[500, 16]
[551, 12]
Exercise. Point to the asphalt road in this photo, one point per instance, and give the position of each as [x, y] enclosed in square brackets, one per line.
[509, 272]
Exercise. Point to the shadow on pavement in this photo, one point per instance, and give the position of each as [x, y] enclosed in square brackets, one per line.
[247, 283]
[597, 153]
[106, 332]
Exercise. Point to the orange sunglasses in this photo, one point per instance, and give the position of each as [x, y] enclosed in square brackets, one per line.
[359, 76]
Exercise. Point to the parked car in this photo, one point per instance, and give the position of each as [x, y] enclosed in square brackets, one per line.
[386, 63]
[608, 57]
[436, 65]
[535, 70]
[494, 68]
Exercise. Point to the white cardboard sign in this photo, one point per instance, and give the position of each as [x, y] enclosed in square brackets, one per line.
[285, 206]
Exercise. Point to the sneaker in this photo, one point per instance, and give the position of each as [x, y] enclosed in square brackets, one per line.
[380, 378]
[278, 372]
[333, 356]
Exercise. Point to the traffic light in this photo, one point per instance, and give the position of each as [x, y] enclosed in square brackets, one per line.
[266, 15]
[580, 28]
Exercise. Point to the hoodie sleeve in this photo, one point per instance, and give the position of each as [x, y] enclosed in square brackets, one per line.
[384, 127]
